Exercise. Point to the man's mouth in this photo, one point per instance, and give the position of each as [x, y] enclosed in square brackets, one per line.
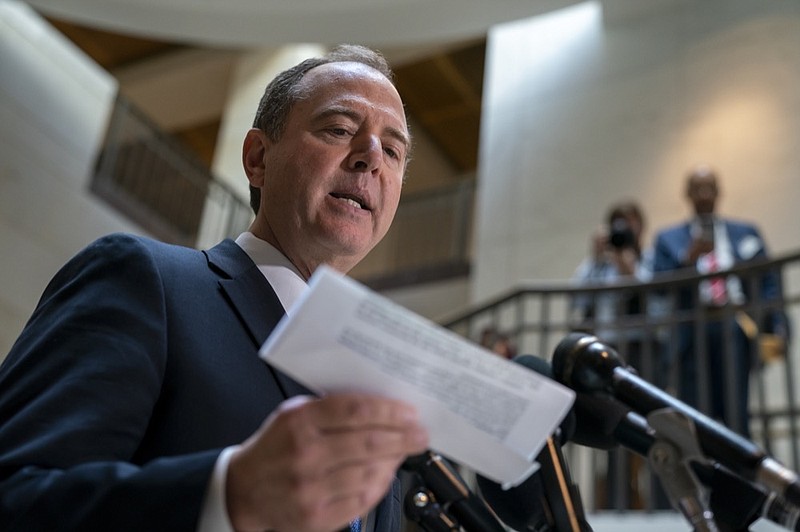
[353, 200]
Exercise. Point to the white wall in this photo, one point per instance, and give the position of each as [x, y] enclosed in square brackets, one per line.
[582, 108]
[54, 105]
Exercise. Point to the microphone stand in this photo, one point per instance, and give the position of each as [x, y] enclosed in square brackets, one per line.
[547, 501]
[563, 499]
[421, 506]
[737, 503]
[712, 498]
[442, 494]
[670, 456]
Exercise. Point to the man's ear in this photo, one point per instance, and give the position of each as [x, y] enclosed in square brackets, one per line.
[253, 150]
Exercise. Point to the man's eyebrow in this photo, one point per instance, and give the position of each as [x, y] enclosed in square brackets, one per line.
[396, 133]
[336, 111]
[400, 136]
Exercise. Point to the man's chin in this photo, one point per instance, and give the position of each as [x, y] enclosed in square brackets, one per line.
[350, 252]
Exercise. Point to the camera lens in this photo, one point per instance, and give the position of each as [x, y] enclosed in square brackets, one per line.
[621, 235]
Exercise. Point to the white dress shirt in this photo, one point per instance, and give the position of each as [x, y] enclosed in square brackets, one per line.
[724, 259]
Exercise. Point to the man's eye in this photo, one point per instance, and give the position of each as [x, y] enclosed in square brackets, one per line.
[395, 152]
[339, 131]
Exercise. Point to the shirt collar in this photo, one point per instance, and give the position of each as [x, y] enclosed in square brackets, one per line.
[282, 275]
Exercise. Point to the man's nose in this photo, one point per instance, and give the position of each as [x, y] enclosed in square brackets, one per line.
[367, 154]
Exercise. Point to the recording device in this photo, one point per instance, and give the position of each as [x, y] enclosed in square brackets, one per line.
[451, 497]
[621, 235]
[585, 364]
[706, 229]
[548, 500]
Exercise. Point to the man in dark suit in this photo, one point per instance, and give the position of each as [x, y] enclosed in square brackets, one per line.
[709, 243]
[134, 399]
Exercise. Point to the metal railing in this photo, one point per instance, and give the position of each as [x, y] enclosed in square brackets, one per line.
[429, 239]
[158, 183]
[537, 316]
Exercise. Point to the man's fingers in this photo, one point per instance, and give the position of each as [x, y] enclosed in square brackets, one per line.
[331, 433]
[341, 411]
[350, 489]
[321, 460]
[355, 445]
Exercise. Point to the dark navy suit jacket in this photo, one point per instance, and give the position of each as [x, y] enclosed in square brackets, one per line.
[672, 244]
[138, 366]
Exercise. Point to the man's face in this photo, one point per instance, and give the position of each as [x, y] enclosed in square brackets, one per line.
[702, 192]
[331, 184]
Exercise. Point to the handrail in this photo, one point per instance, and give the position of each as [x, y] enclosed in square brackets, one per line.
[560, 287]
[152, 178]
[538, 314]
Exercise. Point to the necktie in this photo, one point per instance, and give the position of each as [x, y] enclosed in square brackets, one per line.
[716, 285]
[355, 525]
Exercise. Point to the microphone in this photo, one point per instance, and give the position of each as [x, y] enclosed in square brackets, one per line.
[602, 422]
[585, 364]
[548, 500]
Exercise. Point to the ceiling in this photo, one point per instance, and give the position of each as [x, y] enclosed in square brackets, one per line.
[442, 90]
[438, 58]
[259, 23]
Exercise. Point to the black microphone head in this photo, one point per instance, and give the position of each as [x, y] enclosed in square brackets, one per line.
[539, 365]
[584, 363]
[542, 367]
[597, 417]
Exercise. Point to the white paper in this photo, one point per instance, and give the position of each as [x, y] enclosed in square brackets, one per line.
[482, 411]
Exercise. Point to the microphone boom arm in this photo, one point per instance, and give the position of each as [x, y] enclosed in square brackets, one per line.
[586, 364]
[670, 456]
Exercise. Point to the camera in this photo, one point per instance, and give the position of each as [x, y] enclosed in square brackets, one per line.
[621, 235]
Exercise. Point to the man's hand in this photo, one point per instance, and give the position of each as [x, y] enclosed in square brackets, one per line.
[625, 259]
[315, 464]
[698, 247]
[600, 243]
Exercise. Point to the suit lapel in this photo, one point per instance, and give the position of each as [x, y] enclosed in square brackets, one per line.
[255, 302]
[686, 234]
[258, 307]
[679, 242]
[253, 299]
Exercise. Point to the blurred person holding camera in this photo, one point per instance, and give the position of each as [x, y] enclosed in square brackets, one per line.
[616, 257]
